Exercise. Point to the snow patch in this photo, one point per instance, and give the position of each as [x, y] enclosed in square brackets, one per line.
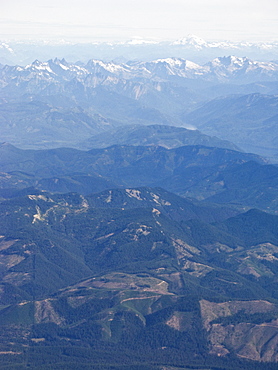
[109, 198]
[159, 201]
[132, 193]
[38, 216]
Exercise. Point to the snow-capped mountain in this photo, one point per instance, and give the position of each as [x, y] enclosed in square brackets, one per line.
[192, 41]
[58, 99]
[242, 68]
[221, 69]
[164, 68]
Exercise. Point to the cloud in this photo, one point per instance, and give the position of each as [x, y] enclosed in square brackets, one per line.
[168, 19]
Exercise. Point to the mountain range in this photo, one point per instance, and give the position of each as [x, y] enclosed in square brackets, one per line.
[138, 208]
[56, 103]
[190, 46]
[230, 68]
[204, 173]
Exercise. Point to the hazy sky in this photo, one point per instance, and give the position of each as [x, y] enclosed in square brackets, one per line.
[89, 20]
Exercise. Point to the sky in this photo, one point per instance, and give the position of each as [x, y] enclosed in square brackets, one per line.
[122, 20]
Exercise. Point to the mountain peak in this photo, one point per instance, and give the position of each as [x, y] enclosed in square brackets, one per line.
[193, 41]
[59, 61]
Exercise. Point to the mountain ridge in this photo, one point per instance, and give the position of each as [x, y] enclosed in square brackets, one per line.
[208, 174]
[220, 68]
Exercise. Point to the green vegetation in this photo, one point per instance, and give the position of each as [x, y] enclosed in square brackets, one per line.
[117, 284]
